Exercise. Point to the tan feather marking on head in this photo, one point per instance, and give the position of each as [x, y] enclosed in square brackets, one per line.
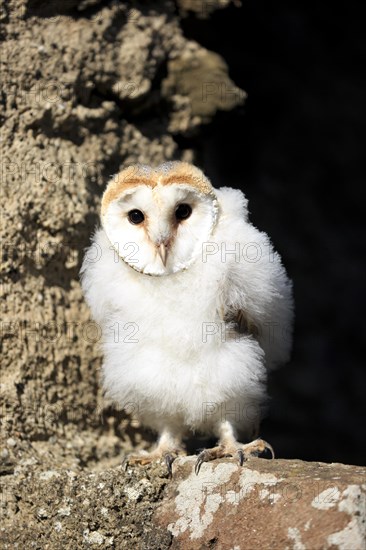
[121, 183]
[176, 173]
[182, 172]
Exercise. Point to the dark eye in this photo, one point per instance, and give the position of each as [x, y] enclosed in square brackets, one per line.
[136, 216]
[183, 211]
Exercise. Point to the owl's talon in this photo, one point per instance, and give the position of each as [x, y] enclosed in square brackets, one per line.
[256, 447]
[169, 459]
[209, 454]
[198, 464]
[241, 457]
[202, 457]
[270, 449]
[124, 464]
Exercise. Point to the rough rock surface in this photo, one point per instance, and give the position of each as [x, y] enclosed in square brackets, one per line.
[203, 8]
[273, 504]
[279, 504]
[53, 508]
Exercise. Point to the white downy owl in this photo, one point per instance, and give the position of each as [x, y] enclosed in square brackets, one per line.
[200, 302]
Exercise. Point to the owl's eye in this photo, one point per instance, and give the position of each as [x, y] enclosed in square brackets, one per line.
[183, 211]
[136, 216]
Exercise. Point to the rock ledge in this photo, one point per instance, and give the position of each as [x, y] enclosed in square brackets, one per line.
[265, 504]
[269, 504]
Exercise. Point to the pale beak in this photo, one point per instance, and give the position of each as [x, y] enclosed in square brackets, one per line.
[162, 251]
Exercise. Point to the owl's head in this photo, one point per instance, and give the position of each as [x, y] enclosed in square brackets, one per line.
[158, 218]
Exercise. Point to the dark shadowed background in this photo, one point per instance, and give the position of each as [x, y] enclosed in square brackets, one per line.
[297, 149]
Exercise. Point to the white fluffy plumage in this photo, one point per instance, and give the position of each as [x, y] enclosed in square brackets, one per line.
[194, 306]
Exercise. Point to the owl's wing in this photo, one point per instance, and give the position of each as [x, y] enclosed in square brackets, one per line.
[244, 324]
[258, 294]
[98, 268]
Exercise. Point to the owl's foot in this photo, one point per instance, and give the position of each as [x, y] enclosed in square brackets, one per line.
[143, 458]
[168, 448]
[243, 451]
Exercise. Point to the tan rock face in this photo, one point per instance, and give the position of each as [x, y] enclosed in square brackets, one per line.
[58, 508]
[279, 504]
[199, 86]
[202, 9]
[265, 504]
[75, 75]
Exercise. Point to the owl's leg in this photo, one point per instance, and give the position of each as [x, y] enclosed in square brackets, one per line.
[229, 446]
[169, 446]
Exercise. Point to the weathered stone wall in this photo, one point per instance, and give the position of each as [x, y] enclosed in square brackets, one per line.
[86, 88]
[297, 151]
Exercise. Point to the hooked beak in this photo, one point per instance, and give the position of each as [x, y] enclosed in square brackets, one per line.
[162, 251]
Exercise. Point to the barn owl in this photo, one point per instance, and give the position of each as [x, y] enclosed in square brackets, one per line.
[194, 307]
